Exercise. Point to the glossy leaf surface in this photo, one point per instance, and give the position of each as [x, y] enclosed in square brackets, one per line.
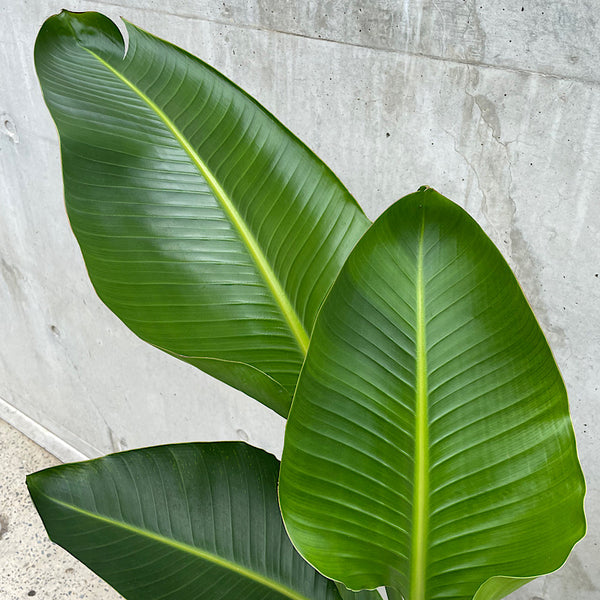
[187, 521]
[205, 225]
[429, 447]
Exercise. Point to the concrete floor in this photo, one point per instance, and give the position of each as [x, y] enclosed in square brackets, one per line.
[30, 564]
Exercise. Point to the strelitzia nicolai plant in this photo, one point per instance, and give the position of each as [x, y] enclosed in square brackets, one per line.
[428, 447]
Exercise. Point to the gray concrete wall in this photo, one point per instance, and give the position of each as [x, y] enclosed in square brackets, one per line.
[495, 104]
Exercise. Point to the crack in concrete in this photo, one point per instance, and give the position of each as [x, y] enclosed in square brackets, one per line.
[501, 213]
[488, 113]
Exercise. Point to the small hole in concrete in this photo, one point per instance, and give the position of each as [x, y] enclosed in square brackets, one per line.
[242, 435]
[31, 593]
[10, 126]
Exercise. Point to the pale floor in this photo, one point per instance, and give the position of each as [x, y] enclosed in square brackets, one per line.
[30, 564]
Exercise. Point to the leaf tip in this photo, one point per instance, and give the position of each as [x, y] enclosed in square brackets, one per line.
[90, 30]
[31, 483]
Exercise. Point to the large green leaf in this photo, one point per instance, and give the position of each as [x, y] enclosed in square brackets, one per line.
[205, 225]
[429, 446]
[188, 521]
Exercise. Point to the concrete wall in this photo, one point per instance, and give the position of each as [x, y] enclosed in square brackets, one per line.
[495, 104]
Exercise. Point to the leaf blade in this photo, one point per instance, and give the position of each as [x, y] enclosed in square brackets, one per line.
[296, 327]
[205, 225]
[501, 452]
[170, 521]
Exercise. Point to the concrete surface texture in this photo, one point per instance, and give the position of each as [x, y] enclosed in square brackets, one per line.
[30, 564]
[495, 104]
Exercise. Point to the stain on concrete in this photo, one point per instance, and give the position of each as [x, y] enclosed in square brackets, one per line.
[489, 114]
[9, 271]
[577, 574]
[490, 167]
[117, 444]
[376, 28]
[474, 36]
[3, 526]
[13, 278]
[527, 271]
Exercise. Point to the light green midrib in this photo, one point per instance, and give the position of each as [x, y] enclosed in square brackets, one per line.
[298, 331]
[418, 566]
[217, 560]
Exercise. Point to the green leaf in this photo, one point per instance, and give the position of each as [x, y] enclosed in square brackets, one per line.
[206, 226]
[188, 521]
[429, 447]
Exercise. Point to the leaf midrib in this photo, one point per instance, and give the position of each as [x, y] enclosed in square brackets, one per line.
[183, 547]
[421, 472]
[290, 315]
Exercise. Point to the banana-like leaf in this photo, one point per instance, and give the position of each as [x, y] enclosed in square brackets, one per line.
[205, 225]
[429, 446]
[186, 521]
